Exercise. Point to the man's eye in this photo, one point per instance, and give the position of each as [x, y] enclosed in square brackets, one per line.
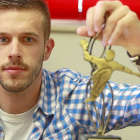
[28, 39]
[4, 39]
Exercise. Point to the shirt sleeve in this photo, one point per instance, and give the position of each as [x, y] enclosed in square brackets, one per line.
[126, 104]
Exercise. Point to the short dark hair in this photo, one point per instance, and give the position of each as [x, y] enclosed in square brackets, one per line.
[39, 5]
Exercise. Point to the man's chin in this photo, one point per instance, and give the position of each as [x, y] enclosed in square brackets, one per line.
[15, 86]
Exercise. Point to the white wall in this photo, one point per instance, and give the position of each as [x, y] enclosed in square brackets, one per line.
[68, 54]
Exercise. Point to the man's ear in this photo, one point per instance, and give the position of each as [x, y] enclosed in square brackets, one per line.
[48, 48]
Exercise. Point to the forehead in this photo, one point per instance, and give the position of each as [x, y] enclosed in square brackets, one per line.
[21, 20]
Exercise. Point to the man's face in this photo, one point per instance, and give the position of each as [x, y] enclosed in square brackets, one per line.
[22, 48]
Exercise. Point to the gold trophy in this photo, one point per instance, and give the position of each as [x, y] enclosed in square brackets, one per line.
[102, 68]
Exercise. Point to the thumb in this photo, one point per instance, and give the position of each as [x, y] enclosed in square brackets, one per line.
[82, 31]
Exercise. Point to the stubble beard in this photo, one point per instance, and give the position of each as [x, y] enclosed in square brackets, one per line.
[21, 86]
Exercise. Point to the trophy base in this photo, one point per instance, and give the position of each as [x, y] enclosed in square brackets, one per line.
[96, 137]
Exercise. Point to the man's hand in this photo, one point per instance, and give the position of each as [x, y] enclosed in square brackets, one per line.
[122, 25]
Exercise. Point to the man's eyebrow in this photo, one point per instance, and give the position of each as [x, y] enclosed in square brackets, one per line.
[31, 34]
[26, 33]
[2, 33]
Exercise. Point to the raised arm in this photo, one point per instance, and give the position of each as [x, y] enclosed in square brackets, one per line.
[120, 67]
[87, 56]
[122, 26]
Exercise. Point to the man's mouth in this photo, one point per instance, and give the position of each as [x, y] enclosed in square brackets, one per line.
[14, 69]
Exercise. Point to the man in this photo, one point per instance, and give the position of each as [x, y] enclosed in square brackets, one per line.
[37, 104]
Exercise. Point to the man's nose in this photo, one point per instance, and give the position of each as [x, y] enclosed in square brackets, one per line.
[15, 50]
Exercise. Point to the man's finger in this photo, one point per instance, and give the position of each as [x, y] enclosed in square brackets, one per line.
[101, 8]
[82, 31]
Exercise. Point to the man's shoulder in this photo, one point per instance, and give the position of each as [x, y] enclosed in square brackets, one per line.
[65, 73]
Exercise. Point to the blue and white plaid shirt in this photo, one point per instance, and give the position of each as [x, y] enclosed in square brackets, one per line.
[61, 113]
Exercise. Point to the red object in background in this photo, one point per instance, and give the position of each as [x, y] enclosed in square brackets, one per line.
[68, 9]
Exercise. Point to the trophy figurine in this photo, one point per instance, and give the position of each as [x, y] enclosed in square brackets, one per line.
[102, 68]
